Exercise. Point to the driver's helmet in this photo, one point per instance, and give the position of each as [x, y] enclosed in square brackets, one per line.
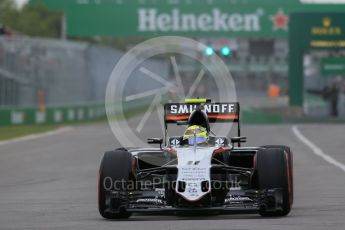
[195, 134]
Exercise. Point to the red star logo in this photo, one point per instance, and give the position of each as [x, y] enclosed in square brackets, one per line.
[280, 21]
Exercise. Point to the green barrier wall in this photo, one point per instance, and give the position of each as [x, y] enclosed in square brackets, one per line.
[65, 114]
[52, 115]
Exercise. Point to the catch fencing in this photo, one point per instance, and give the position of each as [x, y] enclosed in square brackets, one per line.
[52, 81]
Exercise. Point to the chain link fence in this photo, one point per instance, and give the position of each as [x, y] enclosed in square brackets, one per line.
[56, 68]
[66, 73]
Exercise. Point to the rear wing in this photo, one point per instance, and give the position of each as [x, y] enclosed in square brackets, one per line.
[216, 112]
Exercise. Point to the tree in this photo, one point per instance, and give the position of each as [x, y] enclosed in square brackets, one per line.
[36, 20]
[5, 5]
[31, 20]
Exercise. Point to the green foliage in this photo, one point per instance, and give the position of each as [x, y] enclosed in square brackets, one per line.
[31, 20]
[6, 4]
[36, 20]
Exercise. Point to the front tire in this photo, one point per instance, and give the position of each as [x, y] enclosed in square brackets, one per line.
[289, 153]
[115, 166]
[272, 170]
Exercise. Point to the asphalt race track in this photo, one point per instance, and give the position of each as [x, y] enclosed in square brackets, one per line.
[51, 183]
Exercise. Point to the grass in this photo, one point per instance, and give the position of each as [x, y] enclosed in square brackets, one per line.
[10, 132]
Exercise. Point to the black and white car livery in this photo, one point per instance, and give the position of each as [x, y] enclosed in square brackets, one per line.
[219, 177]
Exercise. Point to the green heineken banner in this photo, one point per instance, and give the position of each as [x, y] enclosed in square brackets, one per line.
[255, 18]
[333, 66]
[189, 20]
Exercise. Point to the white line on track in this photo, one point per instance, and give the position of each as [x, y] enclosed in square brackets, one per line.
[316, 150]
[36, 136]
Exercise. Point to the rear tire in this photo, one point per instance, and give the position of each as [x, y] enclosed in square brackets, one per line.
[272, 172]
[116, 165]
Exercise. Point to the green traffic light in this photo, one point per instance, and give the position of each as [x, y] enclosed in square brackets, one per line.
[209, 51]
[226, 51]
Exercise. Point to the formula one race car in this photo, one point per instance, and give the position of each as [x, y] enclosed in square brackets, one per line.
[198, 172]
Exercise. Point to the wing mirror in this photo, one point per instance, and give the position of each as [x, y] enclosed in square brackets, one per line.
[238, 140]
[155, 141]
